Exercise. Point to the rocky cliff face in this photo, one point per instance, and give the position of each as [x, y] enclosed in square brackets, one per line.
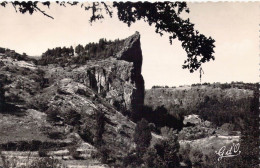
[117, 78]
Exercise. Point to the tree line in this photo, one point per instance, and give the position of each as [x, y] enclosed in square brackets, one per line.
[81, 54]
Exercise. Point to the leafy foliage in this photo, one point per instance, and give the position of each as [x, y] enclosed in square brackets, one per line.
[168, 150]
[28, 6]
[142, 135]
[152, 159]
[224, 111]
[165, 154]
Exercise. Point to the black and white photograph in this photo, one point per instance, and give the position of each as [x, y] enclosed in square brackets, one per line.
[122, 84]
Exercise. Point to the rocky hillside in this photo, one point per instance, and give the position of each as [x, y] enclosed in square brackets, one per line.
[188, 97]
[73, 112]
[216, 104]
[117, 78]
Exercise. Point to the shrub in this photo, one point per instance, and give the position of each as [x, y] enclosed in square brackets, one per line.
[132, 160]
[168, 150]
[72, 118]
[86, 135]
[185, 152]
[104, 154]
[74, 153]
[56, 135]
[43, 152]
[53, 115]
[142, 135]
[196, 157]
[152, 159]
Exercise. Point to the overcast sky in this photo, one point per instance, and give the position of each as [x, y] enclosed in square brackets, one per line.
[234, 26]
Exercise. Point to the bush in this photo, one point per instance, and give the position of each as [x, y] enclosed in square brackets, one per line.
[86, 135]
[152, 159]
[56, 135]
[168, 150]
[72, 118]
[104, 154]
[142, 135]
[74, 153]
[39, 104]
[43, 152]
[196, 157]
[185, 152]
[132, 160]
[53, 115]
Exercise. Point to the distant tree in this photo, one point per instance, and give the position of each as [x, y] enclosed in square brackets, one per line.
[58, 52]
[2, 50]
[110, 52]
[79, 49]
[71, 50]
[165, 16]
[142, 135]
[64, 51]
[102, 42]
[3, 81]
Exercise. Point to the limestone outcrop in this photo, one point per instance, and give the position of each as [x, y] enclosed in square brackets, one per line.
[117, 78]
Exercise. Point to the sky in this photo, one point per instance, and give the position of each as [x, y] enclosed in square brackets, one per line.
[234, 26]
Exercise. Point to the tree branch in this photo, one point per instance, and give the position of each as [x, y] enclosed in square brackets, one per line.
[107, 9]
[43, 12]
[14, 7]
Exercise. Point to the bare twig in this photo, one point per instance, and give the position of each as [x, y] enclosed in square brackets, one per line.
[107, 9]
[43, 12]
[14, 7]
